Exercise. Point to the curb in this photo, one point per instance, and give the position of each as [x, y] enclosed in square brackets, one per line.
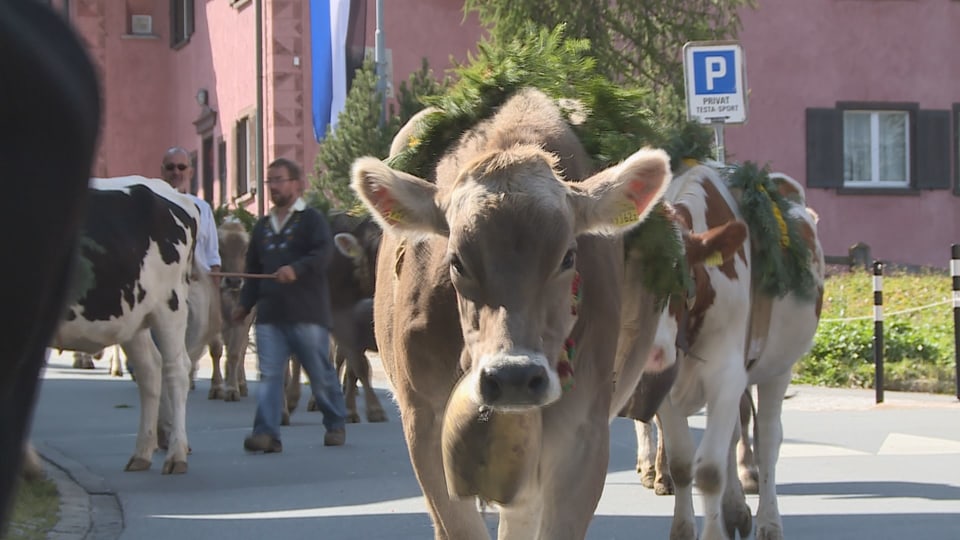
[89, 508]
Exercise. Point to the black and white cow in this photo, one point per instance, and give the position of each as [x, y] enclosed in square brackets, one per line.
[139, 241]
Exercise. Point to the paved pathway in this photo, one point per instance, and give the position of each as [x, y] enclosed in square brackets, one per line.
[849, 470]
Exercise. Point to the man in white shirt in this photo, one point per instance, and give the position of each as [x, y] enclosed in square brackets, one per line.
[177, 170]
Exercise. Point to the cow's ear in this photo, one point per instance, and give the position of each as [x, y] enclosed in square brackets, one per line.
[348, 245]
[715, 246]
[398, 201]
[617, 199]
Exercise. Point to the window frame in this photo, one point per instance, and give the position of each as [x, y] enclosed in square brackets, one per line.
[182, 22]
[911, 110]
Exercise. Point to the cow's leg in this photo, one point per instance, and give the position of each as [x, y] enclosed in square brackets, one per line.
[82, 360]
[216, 379]
[746, 462]
[663, 482]
[646, 453]
[358, 369]
[736, 514]
[348, 382]
[723, 390]
[291, 390]
[144, 358]
[576, 468]
[452, 519]
[770, 436]
[680, 451]
[170, 340]
[236, 383]
[116, 363]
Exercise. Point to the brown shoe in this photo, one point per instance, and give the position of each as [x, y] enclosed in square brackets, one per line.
[335, 437]
[261, 442]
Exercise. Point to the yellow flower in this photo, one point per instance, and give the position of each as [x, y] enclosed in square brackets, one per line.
[784, 235]
[413, 142]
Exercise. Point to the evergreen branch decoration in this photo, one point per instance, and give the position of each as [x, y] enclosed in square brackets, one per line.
[657, 246]
[688, 141]
[615, 122]
[780, 258]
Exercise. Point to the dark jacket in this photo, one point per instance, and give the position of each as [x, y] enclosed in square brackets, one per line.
[306, 245]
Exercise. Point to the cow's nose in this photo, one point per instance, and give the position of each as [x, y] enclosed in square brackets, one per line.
[514, 384]
[233, 283]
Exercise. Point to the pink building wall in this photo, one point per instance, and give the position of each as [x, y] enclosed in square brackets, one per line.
[815, 53]
[798, 55]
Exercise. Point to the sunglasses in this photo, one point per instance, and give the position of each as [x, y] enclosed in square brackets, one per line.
[179, 166]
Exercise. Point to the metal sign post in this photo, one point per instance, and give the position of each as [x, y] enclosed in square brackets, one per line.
[715, 79]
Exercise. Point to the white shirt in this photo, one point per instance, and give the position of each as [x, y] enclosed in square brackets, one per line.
[276, 223]
[208, 247]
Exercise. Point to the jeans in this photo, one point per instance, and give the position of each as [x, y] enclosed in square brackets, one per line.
[310, 343]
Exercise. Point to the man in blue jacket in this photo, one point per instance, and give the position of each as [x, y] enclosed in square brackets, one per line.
[292, 243]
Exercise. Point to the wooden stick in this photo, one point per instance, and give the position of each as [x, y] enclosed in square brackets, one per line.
[242, 275]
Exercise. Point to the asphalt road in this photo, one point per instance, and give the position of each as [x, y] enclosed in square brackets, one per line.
[849, 469]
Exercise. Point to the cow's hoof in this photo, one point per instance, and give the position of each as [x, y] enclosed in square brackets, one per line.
[243, 391]
[174, 467]
[215, 393]
[193, 385]
[312, 405]
[737, 516]
[353, 418]
[376, 415]
[231, 395]
[116, 373]
[285, 419]
[137, 464]
[663, 485]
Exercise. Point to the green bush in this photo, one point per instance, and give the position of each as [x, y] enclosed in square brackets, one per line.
[918, 345]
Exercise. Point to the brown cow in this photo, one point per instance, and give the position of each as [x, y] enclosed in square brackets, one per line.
[234, 241]
[735, 335]
[479, 302]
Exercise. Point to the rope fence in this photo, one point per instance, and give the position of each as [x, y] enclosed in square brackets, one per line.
[889, 314]
[878, 317]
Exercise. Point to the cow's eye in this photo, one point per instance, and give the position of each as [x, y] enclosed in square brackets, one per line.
[569, 259]
[457, 265]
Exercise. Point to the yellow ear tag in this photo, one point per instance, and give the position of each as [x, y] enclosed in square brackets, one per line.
[627, 215]
[714, 259]
[413, 142]
[689, 162]
[395, 216]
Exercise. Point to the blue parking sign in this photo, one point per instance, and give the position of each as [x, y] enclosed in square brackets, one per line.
[715, 81]
[715, 72]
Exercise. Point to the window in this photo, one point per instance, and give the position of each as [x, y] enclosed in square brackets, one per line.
[194, 179]
[878, 148]
[245, 142]
[243, 175]
[222, 168]
[181, 22]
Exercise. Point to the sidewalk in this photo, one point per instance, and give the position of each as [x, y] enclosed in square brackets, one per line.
[846, 462]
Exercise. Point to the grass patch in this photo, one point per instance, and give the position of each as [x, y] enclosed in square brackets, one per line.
[918, 346]
[35, 510]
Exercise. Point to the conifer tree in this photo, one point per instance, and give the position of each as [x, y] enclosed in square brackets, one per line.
[359, 133]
